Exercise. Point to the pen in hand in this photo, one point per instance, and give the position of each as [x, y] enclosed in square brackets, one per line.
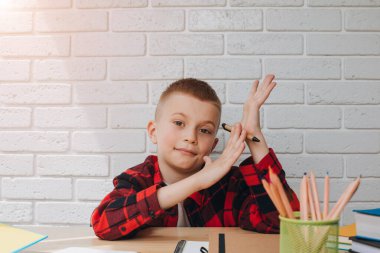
[250, 137]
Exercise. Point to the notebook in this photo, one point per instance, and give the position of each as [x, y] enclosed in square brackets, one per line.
[16, 239]
[185, 246]
[368, 223]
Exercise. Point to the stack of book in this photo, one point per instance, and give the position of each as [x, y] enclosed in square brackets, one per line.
[367, 237]
[345, 232]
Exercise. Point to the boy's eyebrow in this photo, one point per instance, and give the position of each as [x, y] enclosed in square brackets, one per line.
[206, 121]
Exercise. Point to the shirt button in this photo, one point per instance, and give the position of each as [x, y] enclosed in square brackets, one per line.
[123, 229]
[151, 214]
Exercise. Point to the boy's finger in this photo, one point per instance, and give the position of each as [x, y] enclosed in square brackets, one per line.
[254, 88]
[268, 79]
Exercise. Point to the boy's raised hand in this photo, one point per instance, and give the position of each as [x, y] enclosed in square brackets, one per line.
[213, 171]
[256, 98]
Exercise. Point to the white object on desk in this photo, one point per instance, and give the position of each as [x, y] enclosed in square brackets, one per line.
[185, 246]
[89, 250]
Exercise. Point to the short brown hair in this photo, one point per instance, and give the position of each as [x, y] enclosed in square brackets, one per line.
[193, 87]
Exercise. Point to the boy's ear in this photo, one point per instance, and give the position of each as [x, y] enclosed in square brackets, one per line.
[151, 128]
[214, 145]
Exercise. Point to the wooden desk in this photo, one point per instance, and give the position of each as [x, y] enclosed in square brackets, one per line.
[154, 240]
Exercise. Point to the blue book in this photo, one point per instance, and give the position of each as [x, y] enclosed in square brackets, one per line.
[367, 224]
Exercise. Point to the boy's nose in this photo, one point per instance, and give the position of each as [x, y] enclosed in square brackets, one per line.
[191, 136]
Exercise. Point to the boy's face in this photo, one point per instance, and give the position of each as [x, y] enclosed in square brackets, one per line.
[184, 132]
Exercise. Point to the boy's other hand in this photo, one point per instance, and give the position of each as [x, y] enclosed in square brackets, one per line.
[256, 98]
[213, 171]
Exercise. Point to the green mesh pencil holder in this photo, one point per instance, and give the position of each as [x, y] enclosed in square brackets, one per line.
[299, 236]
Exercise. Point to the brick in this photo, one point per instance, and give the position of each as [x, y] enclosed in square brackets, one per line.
[366, 191]
[303, 117]
[343, 3]
[38, 4]
[231, 115]
[234, 114]
[37, 188]
[284, 93]
[71, 21]
[56, 117]
[108, 44]
[186, 44]
[16, 22]
[365, 165]
[297, 165]
[345, 93]
[72, 165]
[304, 68]
[269, 3]
[342, 44]
[362, 117]
[285, 142]
[342, 142]
[156, 89]
[14, 70]
[120, 163]
[86, 191]
[111, 93]
[90, 4]
[266, 44]
[35, 93]
[225, 20]
[147, 20]
[64, 212]
[75, 69]
[34, 141]
[16, 212]
[136, 68]
[132, 141]
[303, 20]
[130, 117]
[188, 3]
[15, 117]
[362, 20]
[357, 68]
[226, 68]
[35, 46]
[16, 165]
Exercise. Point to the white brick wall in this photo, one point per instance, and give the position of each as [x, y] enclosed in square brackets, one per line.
[79, 79]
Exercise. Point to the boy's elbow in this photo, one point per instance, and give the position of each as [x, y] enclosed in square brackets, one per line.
[113, 234]
[262, 228]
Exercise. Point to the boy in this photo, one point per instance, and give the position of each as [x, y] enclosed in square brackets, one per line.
[182, 186]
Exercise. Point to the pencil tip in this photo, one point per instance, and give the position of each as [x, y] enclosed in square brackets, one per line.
[223, 125]
[255, 139]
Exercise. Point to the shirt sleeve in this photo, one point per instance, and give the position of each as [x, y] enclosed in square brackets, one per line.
[125, 210]
[258, 212]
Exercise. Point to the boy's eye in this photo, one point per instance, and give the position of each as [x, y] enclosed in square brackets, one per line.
[178, 123]
[205, 131]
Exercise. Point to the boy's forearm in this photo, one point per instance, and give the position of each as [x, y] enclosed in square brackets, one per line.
[171, 195]
[258, 149]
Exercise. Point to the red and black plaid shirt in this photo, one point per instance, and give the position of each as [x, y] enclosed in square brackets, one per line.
[238, 199]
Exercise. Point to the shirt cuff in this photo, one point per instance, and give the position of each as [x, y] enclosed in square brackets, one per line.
[253, 173]
[148, 204]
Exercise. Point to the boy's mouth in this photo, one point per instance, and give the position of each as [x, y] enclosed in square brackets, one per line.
[186, 151]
